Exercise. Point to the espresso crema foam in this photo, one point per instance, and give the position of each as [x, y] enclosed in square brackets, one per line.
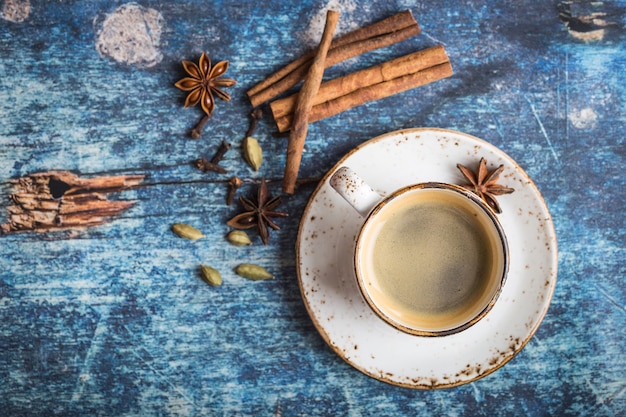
[431, 259]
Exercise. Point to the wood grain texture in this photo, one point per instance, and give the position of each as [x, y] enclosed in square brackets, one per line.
[115, 319]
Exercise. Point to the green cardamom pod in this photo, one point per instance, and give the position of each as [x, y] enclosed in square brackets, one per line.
[238, 238]
[253, 272]
[186, 231]
[210, 275]
[252, 152]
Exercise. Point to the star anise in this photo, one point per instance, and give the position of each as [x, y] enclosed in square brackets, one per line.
[203, 82]
[258, 213]
[483, 183]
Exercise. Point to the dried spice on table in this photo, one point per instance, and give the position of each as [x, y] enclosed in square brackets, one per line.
[238, 238]
[205, 166]
[258, 214]
[253, 272]
[484, 183]
[213, 165]
[221, 151]
[210, 275]
[233, 185]
[304, 103]
[187, 231]
[204, 82]
[252, 151]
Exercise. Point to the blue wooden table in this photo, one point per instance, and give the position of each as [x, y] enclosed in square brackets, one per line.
[114, 319]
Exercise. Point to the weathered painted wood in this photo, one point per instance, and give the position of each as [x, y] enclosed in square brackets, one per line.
[115, 320]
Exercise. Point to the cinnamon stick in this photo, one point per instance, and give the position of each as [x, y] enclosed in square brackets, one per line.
[368, 93]
[377, 35]
[305, 103]
[386, 71]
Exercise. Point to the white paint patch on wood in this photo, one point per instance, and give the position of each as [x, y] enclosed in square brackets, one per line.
[15, 11]
[130, 35]
[583, 119]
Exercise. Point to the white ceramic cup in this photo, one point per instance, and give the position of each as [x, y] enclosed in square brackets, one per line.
[430, 259]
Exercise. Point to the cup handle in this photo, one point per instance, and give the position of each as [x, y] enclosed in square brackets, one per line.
[354, 190]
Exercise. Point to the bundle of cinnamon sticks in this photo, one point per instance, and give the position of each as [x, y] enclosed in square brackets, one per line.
[316, 100]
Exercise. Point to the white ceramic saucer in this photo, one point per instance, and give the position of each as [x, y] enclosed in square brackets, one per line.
[324, 259]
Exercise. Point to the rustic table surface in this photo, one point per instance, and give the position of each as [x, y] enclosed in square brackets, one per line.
[114, 319]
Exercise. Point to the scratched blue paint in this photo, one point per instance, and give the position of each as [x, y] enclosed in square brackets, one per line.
[116, 321]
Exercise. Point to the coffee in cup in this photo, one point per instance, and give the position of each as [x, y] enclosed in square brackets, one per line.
[430, 259]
